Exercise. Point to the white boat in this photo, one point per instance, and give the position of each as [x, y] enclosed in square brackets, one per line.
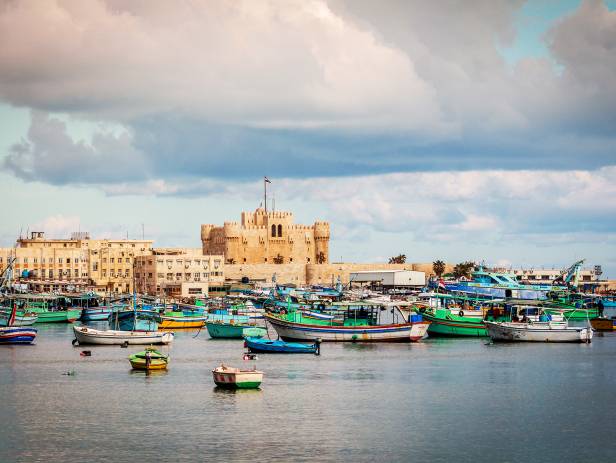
[538, 332]
[87, 335]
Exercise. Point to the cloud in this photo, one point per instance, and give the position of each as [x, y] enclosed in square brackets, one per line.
[58, 226]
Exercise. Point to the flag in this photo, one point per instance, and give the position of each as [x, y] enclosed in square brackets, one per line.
[13, 315]
[441, 284]
[267, 180]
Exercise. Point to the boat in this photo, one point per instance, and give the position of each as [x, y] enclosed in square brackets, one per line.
[17, 335]
[230, 330]
[21, 318]
[87, 335]
[537, 332]
[149, 359]
[356, 322]
[181, 319]
[49, 309]
[279, 346]
[234, 378]
[603, 324]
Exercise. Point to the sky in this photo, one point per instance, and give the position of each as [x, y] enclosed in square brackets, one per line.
[479, 130]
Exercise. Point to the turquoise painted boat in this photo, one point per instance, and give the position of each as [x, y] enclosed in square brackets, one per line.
[225, 330]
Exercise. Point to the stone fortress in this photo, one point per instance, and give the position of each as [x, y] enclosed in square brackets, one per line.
[267, 237]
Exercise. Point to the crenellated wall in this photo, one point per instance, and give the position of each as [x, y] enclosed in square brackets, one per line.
[267, 238]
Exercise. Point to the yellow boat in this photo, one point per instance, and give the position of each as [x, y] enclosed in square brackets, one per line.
[149, 359]
[169, 322]
[603, 324]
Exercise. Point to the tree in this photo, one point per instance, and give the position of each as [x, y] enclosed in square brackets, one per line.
[399, 259]
[463, 269]
[438, 267]
[321, 257]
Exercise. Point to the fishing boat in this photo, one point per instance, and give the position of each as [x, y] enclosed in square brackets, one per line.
[182, 319]
[355, 322]
[538, 332]
[259, 345]
[234, 378]
[231, 330]
[135, 320]
[87, 335]
[149, 359]
[21, 318]
[17, 335]
[11, 334]
[603, 324]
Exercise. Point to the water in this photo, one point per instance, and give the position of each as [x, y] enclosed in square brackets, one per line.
[438, 400]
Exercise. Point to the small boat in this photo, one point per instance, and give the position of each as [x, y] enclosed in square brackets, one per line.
[603, 324]
[17, 335]
[86, 335]
[91, 314]
[234, 378]
[135, 320]
[537, 332]
[281, 347]
[21, 318]
[234, 330]
[149, 359]
[178, 320]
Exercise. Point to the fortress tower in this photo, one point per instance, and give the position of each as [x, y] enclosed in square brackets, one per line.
[267, 237]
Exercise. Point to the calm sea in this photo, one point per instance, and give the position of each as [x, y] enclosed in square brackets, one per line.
[441, 400]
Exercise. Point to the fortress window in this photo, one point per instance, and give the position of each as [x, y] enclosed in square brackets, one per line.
[279, 230]
[273, 231]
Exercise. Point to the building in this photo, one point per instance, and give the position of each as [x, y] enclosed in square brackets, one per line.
[267, 238]
[76, 263]
[389, 278]
[178, 273]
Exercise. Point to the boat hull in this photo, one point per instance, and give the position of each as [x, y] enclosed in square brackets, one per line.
[99, 314]
[241, 380]
[279, 347]
[544, 332]
[291, 331]
[455, 327]
[233, 331]
[60, 316]
[603, 324]
[17, 335]
[20, 320]
[181, 322]
[85, 335]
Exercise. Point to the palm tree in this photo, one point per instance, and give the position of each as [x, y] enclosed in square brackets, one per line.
[438, 267]
[463, 269]
[399, 259]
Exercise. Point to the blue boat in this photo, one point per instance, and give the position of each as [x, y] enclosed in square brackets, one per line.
[17, 335]
[281, 347]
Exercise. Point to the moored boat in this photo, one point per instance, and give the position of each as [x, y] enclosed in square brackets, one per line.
[87, 335]
[259, 345]
[603, 324]
[20, 319]
[149, 359]
[234, 378]
[177, 320]
[230, 330]
[538, 332]
[17, 335]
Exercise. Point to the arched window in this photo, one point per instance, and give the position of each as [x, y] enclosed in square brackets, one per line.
[279, 230]
[273, 231]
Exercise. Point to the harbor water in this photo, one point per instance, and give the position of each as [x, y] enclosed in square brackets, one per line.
[439, 400]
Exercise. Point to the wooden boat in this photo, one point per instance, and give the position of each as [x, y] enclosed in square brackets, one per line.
[224, 330]
[177, 320]
[356, 322]
[17, 335]
[86, 335]
[21, 318]
[135, 320]
[234, 378]
[91, 314]
[48, 310]
[280, 347]
[537, 332]
[603, 324]
[149, 359]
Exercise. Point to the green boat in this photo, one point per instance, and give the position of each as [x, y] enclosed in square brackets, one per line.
[217, 329]
[445, 323]
[47, 315]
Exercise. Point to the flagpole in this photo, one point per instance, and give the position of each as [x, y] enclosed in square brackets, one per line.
[265, 192]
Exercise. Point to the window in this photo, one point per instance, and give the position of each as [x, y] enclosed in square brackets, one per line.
[149, 275]
[68, 260]
[35, 260]
[59, 260]
[104, 273]
[95, 266]
[104, 260]
[194, 290]
[279, 230]
[111, 260]
[50, 273]
[273, 231]
[119, 260]
[25, 260]
[160, 275]
[197, 275]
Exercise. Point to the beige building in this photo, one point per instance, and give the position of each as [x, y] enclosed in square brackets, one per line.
[74, 264]
[178, 273]
[267, 238]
